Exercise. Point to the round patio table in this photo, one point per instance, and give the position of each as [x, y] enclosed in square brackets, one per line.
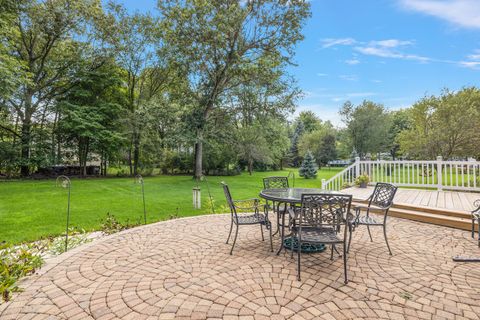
[292, 196]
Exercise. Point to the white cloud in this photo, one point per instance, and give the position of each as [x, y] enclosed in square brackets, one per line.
[391, 43]
[322, 74]
[349, 77]
[377, 81]
[331, 42]
[361, 94]
[464, 13]
[389, 49]
[352, 61]
[472, 62]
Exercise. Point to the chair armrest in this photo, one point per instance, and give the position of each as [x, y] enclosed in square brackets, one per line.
[476, 204]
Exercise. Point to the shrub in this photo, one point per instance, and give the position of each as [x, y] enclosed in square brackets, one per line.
[309, 167]
[112, 225]
[15, 263]
[75, 239]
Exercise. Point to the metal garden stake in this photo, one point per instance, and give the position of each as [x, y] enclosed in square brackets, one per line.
[64, 182]
[139, 180]
[209, 194]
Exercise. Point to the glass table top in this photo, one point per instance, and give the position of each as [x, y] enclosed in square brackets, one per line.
[290, 195]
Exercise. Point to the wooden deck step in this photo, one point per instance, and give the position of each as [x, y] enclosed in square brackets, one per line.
[448, 218]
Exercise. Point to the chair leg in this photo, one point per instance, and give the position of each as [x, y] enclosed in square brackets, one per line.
[368, 229]
[473, 228]
[386, 240]
[278, 223]
[478, 222]
[270, 229]
[298, 258]
[261, 230]
[349, 238]
[331, 253]
[345, 262]
[282, 234]
[230, 232]
[235, 238]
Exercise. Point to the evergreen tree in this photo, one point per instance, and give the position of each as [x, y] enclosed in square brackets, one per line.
[297, 134]
[308, 169]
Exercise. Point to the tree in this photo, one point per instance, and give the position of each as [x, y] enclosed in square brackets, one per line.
[400, 122]
[367, 127]
[308, 169]
[444, 125]
[294, 154]
[47, 41]
[133, 37]
[91, 114]
[320, 142]
[309, 120]
[219, 45]
[328, 150]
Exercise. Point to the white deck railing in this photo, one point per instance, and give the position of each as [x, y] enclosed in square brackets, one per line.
[439, 174]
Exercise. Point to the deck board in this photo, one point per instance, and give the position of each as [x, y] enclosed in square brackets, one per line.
[451, 200]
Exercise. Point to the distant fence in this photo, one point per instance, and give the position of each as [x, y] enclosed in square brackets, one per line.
[439, 174]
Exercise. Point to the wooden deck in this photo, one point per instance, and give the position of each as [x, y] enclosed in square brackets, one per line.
[449, 200]
[445, 208]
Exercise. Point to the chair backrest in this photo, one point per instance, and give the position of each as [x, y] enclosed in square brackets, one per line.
[383, 195]
[324, 210]
[275, 183]
[228, 196]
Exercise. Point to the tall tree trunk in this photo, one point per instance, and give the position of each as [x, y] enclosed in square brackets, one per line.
[25, 148]
[250, 166]
[199, 154]
[136, 151]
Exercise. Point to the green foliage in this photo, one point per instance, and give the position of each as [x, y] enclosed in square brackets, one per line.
[309, 168]
[15, 263]
[75, 238]
[368, 125]
[445, 125]
[112, 225]
[321, 142]
[362, 179]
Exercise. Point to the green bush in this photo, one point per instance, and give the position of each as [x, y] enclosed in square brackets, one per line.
[112, 225]
[15, 263]
[75, 239]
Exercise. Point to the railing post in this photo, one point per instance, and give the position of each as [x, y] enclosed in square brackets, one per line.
[324, 185]
[357, 167]
[439, 173]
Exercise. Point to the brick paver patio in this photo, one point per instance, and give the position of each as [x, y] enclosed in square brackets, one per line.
[182, 269]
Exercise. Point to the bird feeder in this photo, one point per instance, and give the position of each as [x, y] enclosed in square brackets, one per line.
[197, 201]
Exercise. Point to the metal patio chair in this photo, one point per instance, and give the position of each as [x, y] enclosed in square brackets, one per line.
[276, 183]
[381, 199]
[320, 220]
[476, 218]
[239, 219]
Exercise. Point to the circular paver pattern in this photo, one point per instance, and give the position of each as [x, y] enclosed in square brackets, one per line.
[182, 269]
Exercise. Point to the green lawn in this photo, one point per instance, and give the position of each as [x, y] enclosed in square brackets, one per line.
[30, 209]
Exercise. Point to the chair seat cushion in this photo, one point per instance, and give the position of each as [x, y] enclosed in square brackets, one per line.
[251, 218]
[319, 235]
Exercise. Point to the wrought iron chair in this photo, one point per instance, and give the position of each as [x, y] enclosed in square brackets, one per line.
[238, 219]
[276, 183]
[381, 199]
[320, 220]
[476, 218]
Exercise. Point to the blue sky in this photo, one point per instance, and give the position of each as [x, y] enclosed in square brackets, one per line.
[389, 51]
